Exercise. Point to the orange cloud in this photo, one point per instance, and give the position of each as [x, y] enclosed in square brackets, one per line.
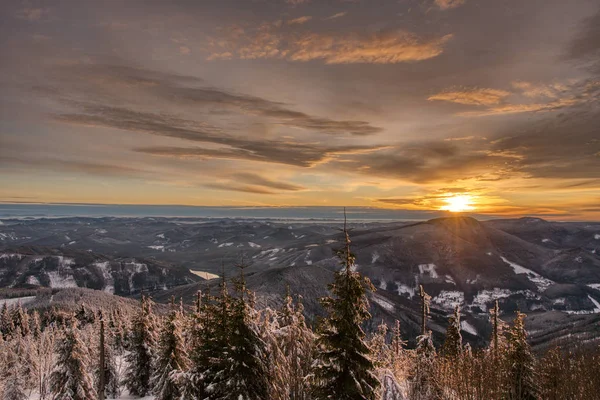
[338, 15]
[300, 20]
[447, 4]
[478, 97]
[379, 48]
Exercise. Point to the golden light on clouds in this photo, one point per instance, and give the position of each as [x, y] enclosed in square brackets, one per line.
[458, 203]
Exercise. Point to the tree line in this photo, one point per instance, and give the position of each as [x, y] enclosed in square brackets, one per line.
[225, 348]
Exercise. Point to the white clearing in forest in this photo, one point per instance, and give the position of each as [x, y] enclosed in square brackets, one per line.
[405, 289]
[541, 282]
[596, 304]
[104, 267]
[467, 327]
[448, 299]
[204, 275]
[8, 256]
[428, 269]
[594, 285]
[384, 303]
[17, 300]
[58, 281]
[33, 280]
[375, 257]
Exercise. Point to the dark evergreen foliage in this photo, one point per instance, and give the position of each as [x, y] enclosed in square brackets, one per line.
[344, 369]
[142, 350]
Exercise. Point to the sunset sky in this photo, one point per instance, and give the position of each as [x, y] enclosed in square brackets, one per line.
[411, 104]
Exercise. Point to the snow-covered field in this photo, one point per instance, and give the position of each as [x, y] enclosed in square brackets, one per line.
[541, 282]
[204, 275]
[17, 300]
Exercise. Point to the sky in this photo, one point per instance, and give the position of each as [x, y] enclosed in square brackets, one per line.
[403, 104]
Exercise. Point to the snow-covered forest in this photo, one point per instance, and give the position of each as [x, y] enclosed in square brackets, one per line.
[224, 347]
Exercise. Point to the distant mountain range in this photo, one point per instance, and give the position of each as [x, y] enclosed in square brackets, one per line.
[549, 270]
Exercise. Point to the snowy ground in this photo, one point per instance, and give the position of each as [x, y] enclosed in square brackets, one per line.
[17, 300]
[204, 275]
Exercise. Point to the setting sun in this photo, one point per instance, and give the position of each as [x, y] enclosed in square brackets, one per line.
[458, 203]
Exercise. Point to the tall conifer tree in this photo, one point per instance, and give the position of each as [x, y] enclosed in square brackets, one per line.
[344, 369]
[523, 378]
[142, 348]
[71, 379]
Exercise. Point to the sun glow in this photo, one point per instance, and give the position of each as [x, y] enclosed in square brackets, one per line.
[459, 203]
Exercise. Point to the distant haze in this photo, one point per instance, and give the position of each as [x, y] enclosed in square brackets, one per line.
[287, 213]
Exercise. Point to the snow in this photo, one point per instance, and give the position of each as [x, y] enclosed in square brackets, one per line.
[541, 282]
[104, 267]
[8, 256]
[268, 253]
[545, 240]
[329, 241]
[161, 248]
[485, 296]
[467, 327]
[17, 300]
[594, 285]
[448, 299]
[595, 310]
[161, 235]
[429, 269]
[597, 236]
[204, 274]
[254, 245]
[450, 279]
[383, 285]
[596, 304]
[405, 289]
[32, 280]
[58, 281]
[384, 303]
[228, 244]
[64, 262]
[375, 257]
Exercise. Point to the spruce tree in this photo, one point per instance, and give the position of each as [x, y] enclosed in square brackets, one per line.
[425, 385]
[523, 379]
[453, 343]
[6, 322]
[140, 358]
[70, 379]
[296, 342]
[172, 360]
[20, 320]
[107, 375]
[14, 381]
[209, 354]
[344, 369]
[248, 373]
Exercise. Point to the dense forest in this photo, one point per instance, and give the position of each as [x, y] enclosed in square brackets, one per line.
[225, 348]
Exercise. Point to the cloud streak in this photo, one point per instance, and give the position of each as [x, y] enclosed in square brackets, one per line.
[387, 47]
